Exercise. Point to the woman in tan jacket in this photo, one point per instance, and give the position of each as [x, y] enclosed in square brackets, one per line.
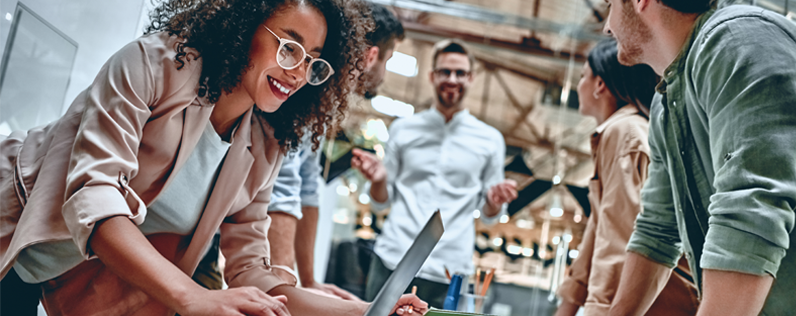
[108, 210]
[619, 98]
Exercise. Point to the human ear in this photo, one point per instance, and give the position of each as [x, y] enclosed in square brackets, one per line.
[601, 87]
[641, 5]
[371, 56]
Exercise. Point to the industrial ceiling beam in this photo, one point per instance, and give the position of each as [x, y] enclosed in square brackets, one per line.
[576, 31]
[424, 31]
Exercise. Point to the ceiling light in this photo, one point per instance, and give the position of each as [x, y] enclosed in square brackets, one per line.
[402, 64]
[476, 214]
[514, 250]
[364, 198]
[392, 107]
[504, 219]
[574, 253]
[377, 128]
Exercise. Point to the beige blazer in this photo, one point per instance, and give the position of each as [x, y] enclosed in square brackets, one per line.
[621, 155]
[112, 153]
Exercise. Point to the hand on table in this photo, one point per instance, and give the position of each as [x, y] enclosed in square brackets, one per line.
[409, 300]
[369, 165]
[331, 290]
[503, 192]
[249, 301]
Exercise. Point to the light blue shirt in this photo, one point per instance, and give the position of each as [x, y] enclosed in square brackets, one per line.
[436, 165]
[297, 182]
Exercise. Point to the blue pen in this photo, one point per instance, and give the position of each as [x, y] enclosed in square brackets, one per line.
[452, 298]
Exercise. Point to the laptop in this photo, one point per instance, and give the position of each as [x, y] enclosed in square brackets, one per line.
[407, 268]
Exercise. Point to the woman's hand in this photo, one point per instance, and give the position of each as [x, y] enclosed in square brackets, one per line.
[249, 301]
[409, 304]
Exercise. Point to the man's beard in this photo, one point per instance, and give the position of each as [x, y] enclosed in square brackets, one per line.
[371, 85]
[453, 102]
[637, 33]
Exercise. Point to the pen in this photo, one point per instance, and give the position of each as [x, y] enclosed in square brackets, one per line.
[487, 281]
[414, 292]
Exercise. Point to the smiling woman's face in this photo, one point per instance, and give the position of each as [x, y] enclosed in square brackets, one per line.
[265, 81]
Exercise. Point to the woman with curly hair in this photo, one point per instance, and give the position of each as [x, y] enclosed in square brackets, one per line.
[108, 210]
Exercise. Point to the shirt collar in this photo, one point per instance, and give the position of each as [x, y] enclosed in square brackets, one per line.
[678, 65]
[458, 116]
[624, 111]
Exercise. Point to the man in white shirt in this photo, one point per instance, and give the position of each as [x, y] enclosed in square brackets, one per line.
[445, 159]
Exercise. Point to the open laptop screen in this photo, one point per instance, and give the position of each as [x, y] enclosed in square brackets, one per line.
[407, 268]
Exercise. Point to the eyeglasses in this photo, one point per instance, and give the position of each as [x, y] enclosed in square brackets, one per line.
[446, 73]
[291, 54]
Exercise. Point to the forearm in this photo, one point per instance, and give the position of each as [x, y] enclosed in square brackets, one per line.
[280, 237]
[641, 281]
[733, 293]
[304, 244]
[122, 247]
[491, 210]
[378, 191]
[567, 309]
[301, 302]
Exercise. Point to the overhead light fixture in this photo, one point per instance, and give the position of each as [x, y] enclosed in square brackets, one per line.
[402, 64]
[514, 250]
[504, 219]
[378, 129]
[392, 107]
[574, 253]
[476, 214]
[364, 198]
[556, 210]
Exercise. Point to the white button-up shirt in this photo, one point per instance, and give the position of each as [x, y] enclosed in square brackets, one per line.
[436, 165]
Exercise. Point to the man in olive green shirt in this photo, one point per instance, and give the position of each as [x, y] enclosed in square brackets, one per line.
[722, 178]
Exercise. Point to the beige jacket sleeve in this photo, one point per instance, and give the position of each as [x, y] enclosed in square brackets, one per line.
[104, 155]
[244, 243]
[574, 289]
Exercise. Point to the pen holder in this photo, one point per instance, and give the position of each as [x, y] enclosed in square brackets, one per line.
[452, 298]
[471, 303]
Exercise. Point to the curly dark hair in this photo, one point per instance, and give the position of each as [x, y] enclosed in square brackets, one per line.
[221, 31]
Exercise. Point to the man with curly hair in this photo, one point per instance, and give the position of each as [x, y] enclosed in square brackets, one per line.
[722, 176]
